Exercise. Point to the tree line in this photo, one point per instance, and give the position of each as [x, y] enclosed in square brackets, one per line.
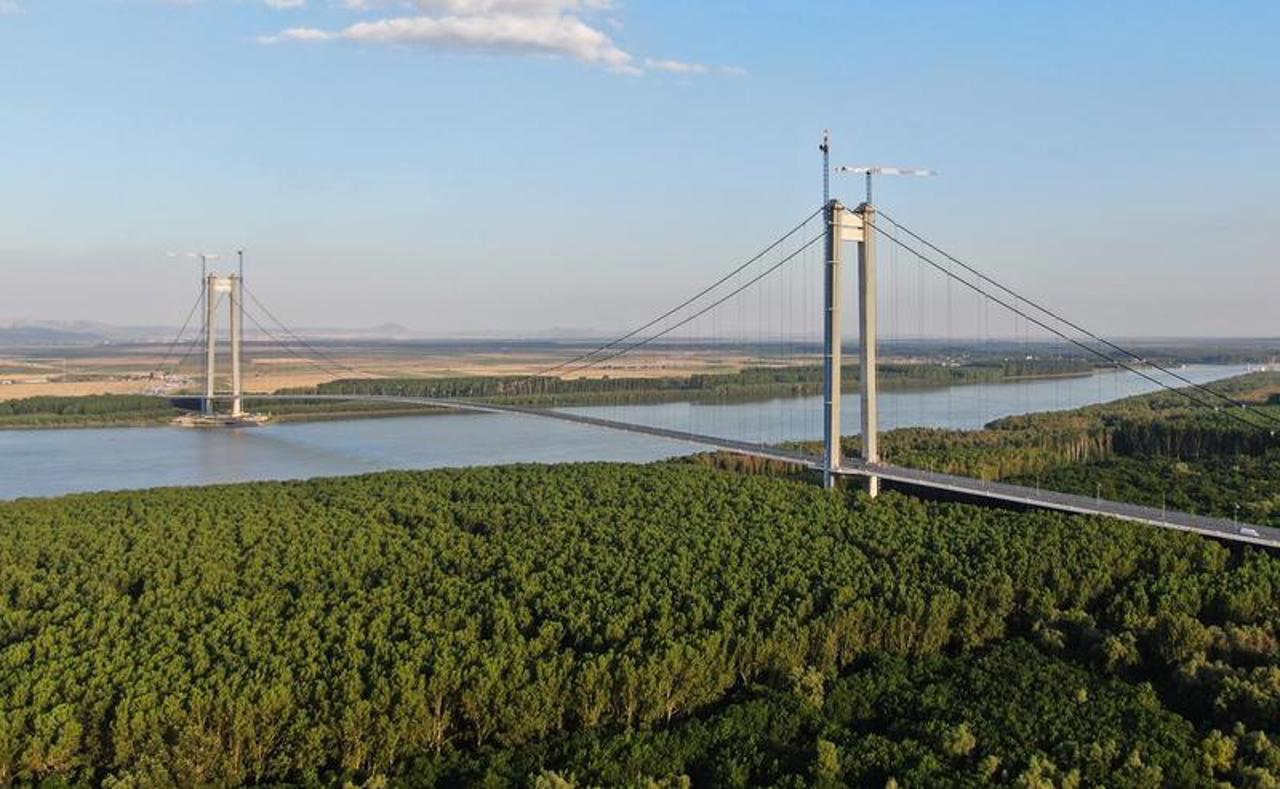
[750, 383]
[117, 410]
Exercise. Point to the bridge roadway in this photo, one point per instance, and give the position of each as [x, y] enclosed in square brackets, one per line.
[1218, 528]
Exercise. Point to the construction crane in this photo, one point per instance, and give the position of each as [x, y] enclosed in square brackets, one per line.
[874, 170]
[204, 258]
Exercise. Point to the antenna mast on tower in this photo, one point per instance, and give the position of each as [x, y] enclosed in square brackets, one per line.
[825, 147]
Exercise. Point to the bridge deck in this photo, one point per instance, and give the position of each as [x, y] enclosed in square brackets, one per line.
[1218, 528]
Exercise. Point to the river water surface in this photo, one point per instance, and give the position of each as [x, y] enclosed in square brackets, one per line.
[51, 462]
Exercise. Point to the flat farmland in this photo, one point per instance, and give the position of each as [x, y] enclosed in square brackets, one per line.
[72, 372]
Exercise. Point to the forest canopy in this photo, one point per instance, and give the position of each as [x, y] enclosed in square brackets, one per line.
[430, 628]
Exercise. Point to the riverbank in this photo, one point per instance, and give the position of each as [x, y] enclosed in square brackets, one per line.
[127, 411]
[1155, 450]
[54, 462]
[750, 385]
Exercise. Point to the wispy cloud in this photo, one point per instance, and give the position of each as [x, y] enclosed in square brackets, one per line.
[541, 34]
[555, 28]
[472, 7]
[285, 4]
[675, 66]
[8, 7]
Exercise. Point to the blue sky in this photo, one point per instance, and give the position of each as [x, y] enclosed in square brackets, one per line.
[584, 163]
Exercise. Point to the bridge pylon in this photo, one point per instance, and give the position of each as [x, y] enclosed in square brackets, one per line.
[218, 288]
[844, 226]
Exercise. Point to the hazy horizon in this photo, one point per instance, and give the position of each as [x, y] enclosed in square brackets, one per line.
[393, 332]
[472, 168]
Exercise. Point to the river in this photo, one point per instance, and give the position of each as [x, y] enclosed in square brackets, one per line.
[52, 462]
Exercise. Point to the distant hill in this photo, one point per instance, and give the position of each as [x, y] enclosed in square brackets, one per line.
[27, 333]
[40, 332]
[18, 335]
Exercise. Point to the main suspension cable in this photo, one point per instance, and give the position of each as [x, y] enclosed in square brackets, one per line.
[303, 342]
[191, 314]
[199, 338]
[1079, 344]
[286, 347]
[639, 329]
[1077, 327]
[704, 310]
[194, 343]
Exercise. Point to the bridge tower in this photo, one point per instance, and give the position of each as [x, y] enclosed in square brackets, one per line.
[843, 226]
[216, 289]
[858, 225]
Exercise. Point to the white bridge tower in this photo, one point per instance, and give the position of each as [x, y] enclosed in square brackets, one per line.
[845, 225]
[218, 288]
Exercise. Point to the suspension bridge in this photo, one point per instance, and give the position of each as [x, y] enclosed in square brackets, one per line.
[788, 298]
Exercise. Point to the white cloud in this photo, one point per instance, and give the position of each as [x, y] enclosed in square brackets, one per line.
[553, 28]
[9, 7]
[509, 6]
[192, 3]
[547, 34]
[297, 34]
[675, 66]
[682, 67]
[475, 7]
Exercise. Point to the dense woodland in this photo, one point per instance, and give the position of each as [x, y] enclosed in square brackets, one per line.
[86, 411]
[1151, 449]
[662, 625]
[1011, 713]
[115, 410]
[610, 623]
[751, 383]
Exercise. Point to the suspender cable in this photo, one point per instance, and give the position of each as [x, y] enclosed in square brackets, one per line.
[702, 311]
[1079, 344]
[1077, 327]
[687, 302]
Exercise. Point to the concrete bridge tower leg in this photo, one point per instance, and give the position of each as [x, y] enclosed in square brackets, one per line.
[831, 351]
[868, 339]
[237, 329]
[842, 225]
[210, 342]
